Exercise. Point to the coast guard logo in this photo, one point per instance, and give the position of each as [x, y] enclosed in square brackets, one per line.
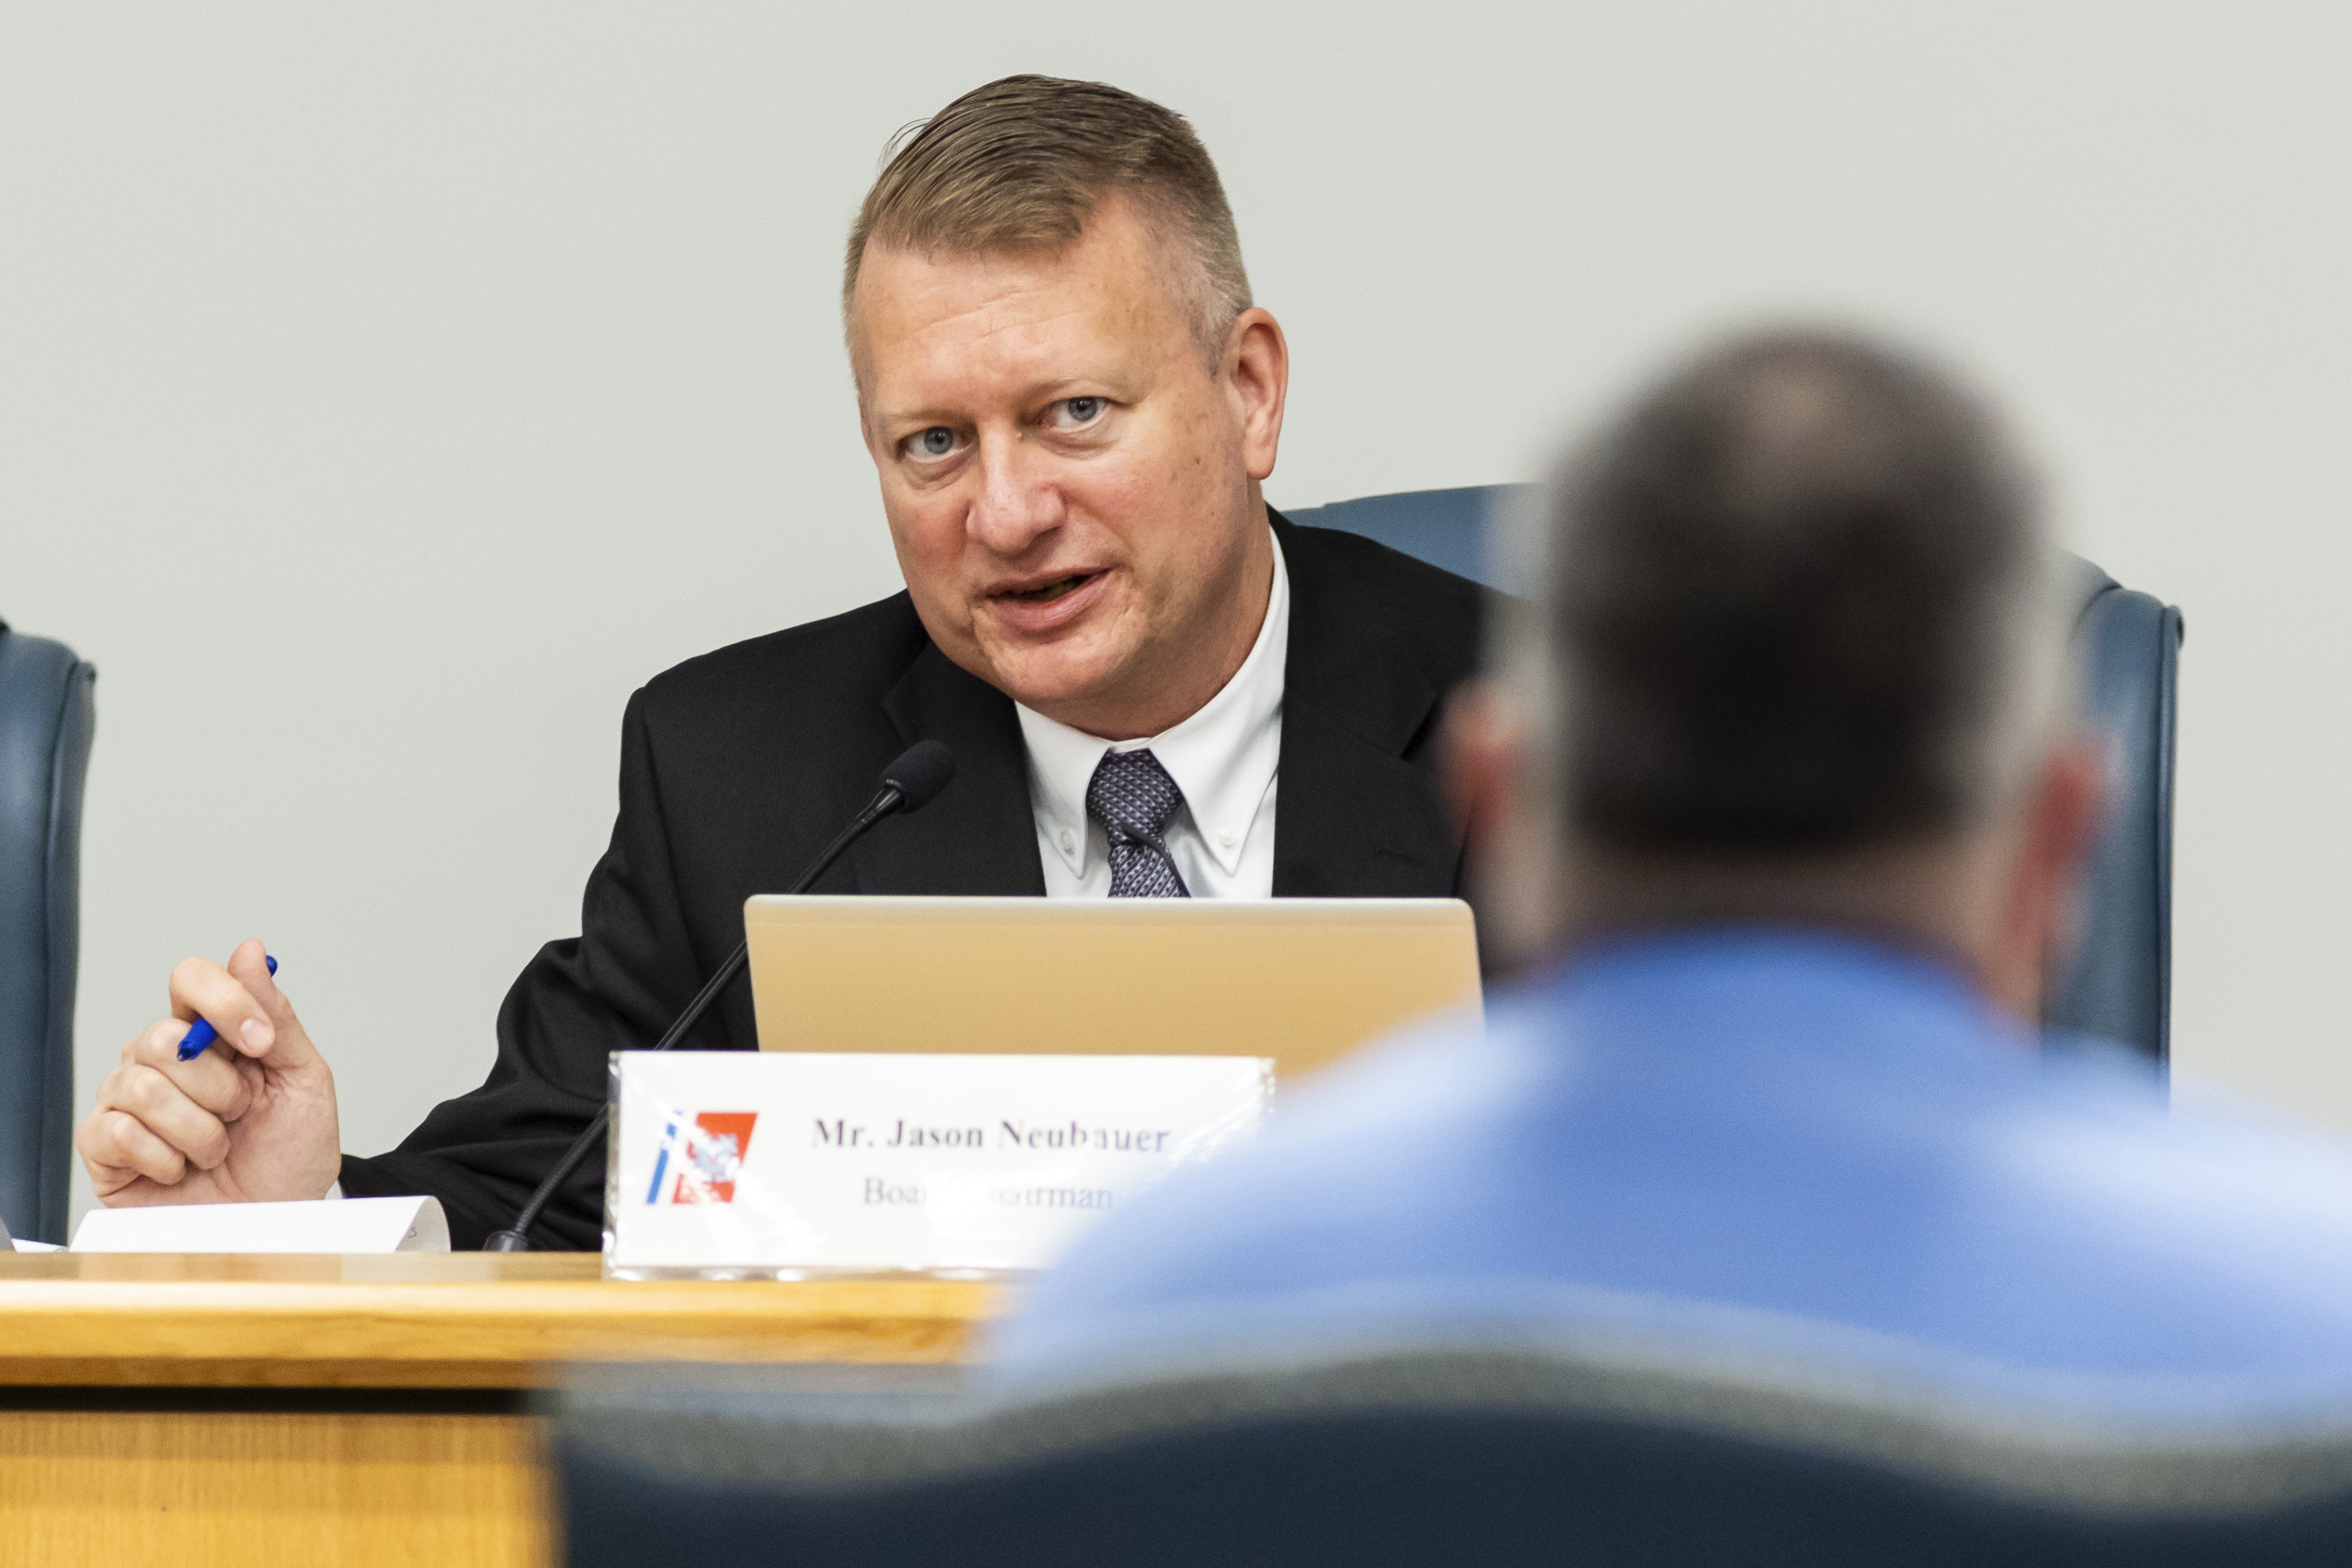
[709, 1150]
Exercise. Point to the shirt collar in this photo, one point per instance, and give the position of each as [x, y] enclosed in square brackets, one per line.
[1760, 973]
[1224, 757]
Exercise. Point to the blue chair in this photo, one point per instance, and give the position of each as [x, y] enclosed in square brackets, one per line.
[46, 718]
[2118, 984]
[1525, 1447]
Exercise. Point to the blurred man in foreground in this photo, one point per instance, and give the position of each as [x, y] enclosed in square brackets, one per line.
[1783, 771]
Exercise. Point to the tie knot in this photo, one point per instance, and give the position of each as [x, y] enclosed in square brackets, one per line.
[1132, 797]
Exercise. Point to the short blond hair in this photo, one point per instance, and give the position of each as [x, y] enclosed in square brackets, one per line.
[1022, 163]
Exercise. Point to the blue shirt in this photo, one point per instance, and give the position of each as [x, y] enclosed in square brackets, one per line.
[1783, 1128]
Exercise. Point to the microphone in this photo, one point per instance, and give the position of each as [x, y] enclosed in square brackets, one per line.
[908, 783]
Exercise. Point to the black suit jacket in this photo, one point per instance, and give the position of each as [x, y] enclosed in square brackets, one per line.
[737, 768]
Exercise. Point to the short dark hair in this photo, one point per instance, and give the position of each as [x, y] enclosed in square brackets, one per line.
[1021, 163]
[1792, 596]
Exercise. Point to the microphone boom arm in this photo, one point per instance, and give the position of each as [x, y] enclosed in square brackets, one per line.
[931, 771]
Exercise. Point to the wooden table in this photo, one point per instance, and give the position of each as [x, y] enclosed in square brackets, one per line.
[189, 1411]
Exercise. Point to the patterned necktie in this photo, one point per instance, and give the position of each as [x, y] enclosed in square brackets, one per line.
[1133, 797]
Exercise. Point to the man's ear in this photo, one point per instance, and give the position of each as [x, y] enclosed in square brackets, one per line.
[2040, 913]
[1491, 776]
[1258, 369]
[2069, 811]
[1480, 752]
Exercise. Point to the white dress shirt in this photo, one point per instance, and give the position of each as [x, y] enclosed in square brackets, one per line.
[1224, 758]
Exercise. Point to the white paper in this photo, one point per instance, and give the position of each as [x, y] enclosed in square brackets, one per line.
[879, 1161]
[340, 1226]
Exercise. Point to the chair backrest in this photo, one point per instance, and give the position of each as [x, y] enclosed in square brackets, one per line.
[1588, 1448]
[2117, 984]
[46, 712]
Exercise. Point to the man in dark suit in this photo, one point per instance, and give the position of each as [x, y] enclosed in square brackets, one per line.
[1072, 403]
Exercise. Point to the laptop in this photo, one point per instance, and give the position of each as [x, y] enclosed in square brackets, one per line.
[1304, 980]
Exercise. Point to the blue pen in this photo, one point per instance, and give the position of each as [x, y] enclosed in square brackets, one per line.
[202, 1033]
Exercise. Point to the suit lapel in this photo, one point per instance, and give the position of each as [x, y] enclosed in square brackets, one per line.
[1354, 818]
[980, 835]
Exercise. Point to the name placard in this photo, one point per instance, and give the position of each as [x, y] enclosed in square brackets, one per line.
[725, 1162]
[342, 1225]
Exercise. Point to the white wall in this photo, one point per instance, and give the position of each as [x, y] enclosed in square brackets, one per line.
[384, 391]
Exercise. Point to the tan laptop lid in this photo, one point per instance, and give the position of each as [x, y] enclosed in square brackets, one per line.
[1304, 980]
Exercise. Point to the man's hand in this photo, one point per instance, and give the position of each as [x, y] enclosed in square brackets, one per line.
[250, 1120]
